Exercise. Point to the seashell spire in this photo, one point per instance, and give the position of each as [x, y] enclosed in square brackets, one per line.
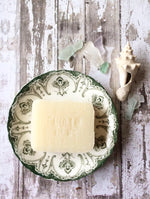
[127, 67]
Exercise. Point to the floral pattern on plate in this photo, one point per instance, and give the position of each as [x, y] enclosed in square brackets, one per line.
[70, 85]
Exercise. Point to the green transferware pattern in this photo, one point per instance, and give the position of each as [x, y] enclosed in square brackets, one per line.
[62, 166]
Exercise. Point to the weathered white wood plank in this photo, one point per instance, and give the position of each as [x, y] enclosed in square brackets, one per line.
[70, 27]
[38, 55]
[9, 79]
[102, 21]
[135, 17]
[38, 37]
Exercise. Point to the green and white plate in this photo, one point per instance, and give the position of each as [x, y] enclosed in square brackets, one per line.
[63, 166]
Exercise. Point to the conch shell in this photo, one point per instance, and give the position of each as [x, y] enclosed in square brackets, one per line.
[127, 68]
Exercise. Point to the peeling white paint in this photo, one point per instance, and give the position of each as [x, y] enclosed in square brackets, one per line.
[31, 56]
[67, 66]
[8, 67]
[105, 175]
[68, 7]
[101, 7]
[135, 158]
[50, 29]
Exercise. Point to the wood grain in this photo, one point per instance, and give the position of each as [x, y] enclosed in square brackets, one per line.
[135, 136]
[70, 30]
[70, 27]
[98, 23]
[9, 84]
[32, 33]
[39, 41]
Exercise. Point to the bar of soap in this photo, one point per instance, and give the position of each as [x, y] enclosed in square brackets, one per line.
[62, 126]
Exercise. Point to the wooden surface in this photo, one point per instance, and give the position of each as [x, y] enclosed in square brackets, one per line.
[31, 36]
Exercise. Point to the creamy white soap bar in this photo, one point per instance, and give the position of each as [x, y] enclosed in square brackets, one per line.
[62, 126]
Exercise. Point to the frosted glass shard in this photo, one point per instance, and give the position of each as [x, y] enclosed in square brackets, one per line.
[69, 51]
[134, 102]
[104, 67]
[92, 54]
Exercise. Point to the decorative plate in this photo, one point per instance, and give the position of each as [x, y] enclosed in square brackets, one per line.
[65, 166]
